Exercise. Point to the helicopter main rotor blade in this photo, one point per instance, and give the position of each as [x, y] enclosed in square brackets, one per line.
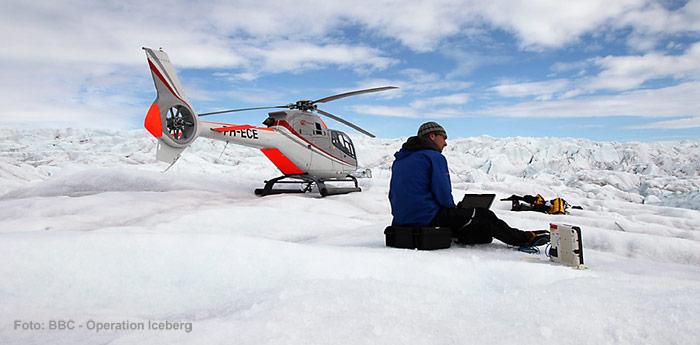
[353, 93]
[347, 123]
[241, 109]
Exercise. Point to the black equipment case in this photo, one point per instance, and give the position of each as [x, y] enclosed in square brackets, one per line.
[418, 237]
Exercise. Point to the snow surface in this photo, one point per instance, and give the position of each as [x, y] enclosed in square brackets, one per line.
[90, 229]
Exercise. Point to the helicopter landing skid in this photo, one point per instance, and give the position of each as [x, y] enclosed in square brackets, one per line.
[307, 183]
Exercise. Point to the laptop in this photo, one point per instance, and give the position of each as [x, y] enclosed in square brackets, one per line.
[477, 200]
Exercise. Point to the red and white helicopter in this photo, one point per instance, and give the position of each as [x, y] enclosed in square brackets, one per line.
[296, 140]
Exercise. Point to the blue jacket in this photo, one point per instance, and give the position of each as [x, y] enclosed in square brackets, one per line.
[420, 184]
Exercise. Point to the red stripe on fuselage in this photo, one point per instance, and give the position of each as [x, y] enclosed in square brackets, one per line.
[281, 161]
[232, 128]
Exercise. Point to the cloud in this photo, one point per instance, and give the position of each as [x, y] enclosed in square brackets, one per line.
[296, 57]
[673, 101]
[415, 81]
[689, 122]
[576, 97]
[383, 110]
[434, 107]
[201, 35]
[468, 60]
[580, 67]
[80, 59]
[542, 90]
[109, 33]
[653, 21]
[546, 24]
[408, 112]
[629, 72]
[678, 100]
[423, 25]
[431, 102]
[615, 73]
[421, 81]
[72, 95]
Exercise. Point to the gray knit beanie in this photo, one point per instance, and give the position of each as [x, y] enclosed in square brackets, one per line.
[431, 127]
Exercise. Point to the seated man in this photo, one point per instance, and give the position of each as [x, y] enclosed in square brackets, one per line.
[421, 194]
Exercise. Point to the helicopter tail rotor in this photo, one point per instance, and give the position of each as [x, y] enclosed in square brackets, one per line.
[171, 118]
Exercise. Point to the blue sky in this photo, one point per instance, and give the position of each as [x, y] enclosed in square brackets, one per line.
[605, 70]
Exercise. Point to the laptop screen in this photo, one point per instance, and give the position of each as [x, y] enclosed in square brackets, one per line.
[477, 200]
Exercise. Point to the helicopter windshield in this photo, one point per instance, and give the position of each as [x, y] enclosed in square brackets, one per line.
[342, 141]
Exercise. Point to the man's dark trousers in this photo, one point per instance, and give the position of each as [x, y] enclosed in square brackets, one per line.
[483, 227]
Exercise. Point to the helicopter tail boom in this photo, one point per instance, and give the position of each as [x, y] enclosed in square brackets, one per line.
[171, 118]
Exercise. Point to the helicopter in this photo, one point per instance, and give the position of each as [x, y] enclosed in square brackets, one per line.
[296, 140]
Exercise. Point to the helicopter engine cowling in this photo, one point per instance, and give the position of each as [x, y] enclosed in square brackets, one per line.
[171, 118]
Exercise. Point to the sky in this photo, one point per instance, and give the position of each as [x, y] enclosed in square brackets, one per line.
[625, 70]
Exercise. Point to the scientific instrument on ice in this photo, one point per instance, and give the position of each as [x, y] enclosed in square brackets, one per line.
[295, 139]
[566, 246]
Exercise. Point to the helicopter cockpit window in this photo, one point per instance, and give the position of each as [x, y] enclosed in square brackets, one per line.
[318, 130]
[343, 143]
